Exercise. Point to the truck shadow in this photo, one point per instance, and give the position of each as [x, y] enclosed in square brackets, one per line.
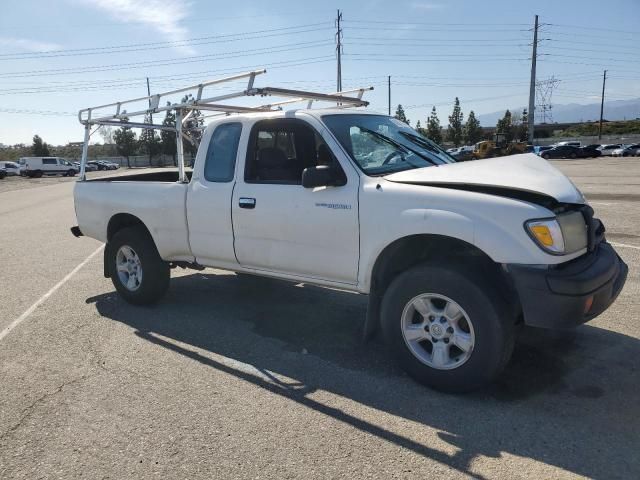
[555, 403]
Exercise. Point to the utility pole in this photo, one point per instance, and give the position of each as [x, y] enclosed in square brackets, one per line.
[149, 94]
[389, 86]
[532, 84]
[604, 81]
[339, 49]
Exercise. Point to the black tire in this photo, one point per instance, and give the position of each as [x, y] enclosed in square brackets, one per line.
[546, 157]
[573, 156]
[71, 173]
[493, 326]
[37, 174]
[155, 271]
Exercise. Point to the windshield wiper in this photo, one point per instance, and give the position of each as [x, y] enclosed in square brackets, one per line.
[399, 146]
[421, 141]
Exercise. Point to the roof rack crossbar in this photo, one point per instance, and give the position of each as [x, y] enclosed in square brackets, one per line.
[91, 116]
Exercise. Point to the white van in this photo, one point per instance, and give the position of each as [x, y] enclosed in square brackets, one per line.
[39, 166]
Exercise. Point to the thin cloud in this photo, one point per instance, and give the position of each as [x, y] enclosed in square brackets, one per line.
[27, 45]
[426, 6]
[164, 16]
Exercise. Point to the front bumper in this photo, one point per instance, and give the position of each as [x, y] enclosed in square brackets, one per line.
[569, 294]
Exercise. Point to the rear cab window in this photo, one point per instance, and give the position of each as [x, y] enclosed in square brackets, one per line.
[222, 152]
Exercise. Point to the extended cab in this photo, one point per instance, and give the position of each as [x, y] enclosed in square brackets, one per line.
[452, 255]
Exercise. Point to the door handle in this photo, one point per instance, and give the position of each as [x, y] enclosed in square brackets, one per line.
[245, 202]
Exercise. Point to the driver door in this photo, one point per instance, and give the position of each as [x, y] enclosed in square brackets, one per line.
[280, 226]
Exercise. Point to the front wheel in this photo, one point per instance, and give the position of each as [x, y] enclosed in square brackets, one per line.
[136, 268]
[447, 328]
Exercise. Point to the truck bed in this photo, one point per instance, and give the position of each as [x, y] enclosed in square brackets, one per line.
[164, 175]
[155, 198]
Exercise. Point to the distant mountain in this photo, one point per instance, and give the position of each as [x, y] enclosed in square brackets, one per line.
[575, 112]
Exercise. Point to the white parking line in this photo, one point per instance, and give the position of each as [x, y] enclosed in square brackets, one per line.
[41, 300]
[615, 244]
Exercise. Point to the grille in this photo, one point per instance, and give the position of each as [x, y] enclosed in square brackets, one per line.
[595, 228]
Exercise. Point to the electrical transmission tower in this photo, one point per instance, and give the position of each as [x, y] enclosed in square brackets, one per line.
[544, 93]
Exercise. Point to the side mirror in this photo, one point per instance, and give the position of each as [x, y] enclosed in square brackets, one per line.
[320, 176]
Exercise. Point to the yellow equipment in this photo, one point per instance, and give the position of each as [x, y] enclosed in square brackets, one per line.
[497, 148]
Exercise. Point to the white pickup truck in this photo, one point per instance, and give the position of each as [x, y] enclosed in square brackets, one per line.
[452, 255]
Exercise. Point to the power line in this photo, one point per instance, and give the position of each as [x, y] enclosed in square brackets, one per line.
[402, 22]
[444, 104]
[37, 112]
[381, 58]
[583, 27]
[258, 34]
[172, 61]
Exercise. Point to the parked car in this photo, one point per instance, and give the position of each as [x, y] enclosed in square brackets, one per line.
[110, 165]
[39, 166]
[590, 151]
[103, 165]
[463, 154]
[563, 151]
[88, 167]
[570, 144]
[346, 199]
[607, 150]
[11, 168]
[626, 150]
[538, 149]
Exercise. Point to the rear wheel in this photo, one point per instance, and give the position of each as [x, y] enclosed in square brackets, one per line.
[136, 269]
[573, 156]
[447, 328]
[71, 173]
[545, 156]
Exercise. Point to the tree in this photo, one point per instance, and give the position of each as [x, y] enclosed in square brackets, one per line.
[434, 130]
[505, 126]
[125, 142]
[522, 130]
[400, 115]
[106, 133]
[193, 128]
[39, 148]
[418, 126]
[168, 142]
[472, 129]
[149, 141]
[454, 131]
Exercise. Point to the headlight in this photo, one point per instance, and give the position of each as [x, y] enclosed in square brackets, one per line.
[547, 234]
[565, 234]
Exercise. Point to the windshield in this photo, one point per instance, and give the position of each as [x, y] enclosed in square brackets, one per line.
[380, 144]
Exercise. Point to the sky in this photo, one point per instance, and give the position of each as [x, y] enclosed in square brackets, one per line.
[59, 56]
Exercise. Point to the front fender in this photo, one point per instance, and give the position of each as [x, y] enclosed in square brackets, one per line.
[414, 221]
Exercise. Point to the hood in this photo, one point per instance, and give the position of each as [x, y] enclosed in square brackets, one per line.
[526, 173]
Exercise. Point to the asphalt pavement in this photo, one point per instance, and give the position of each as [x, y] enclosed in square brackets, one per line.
[241, 377]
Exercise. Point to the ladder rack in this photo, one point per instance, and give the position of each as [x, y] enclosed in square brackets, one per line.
[119, 117]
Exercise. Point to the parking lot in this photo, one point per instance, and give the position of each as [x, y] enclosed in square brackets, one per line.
[235, 377]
